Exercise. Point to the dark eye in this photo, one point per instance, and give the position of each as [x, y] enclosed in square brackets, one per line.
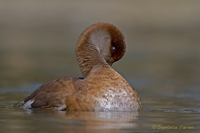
[113, 48]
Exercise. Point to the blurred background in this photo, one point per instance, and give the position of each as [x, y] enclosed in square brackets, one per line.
[38, 38]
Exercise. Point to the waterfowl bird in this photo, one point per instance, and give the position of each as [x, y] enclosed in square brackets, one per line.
[101, 88]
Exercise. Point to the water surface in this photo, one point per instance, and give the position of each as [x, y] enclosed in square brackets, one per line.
[161, 112]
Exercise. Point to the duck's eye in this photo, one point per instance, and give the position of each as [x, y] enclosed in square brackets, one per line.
[113, 48]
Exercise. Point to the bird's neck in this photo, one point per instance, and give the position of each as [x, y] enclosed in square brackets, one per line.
[88, 52]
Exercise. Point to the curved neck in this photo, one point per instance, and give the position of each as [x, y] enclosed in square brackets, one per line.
[88, 50]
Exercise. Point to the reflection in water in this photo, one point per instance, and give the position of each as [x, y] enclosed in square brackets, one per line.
[103, 120]
[93, 120]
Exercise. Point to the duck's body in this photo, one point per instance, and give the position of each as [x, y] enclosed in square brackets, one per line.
[101, 89]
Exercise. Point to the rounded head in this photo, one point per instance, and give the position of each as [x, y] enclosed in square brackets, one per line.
[107, 39]
[117, 43]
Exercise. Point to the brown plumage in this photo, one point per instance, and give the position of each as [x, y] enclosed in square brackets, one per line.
[102, 88]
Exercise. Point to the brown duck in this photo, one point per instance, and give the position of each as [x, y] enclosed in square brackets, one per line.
[101, 89]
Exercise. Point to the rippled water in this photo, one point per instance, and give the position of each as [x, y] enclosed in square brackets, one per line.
[161, 111]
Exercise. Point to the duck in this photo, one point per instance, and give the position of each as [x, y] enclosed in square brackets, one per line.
[101, 88]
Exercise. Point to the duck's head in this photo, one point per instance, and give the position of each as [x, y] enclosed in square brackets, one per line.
[101, 42]
[110, 41]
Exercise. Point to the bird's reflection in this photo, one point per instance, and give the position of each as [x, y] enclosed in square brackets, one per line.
[91, 120]
[102, 120]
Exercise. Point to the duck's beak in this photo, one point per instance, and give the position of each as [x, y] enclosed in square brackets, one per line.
[110, 63]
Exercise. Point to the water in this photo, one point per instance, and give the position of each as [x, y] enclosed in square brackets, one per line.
[161, 112]
[162, 61]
